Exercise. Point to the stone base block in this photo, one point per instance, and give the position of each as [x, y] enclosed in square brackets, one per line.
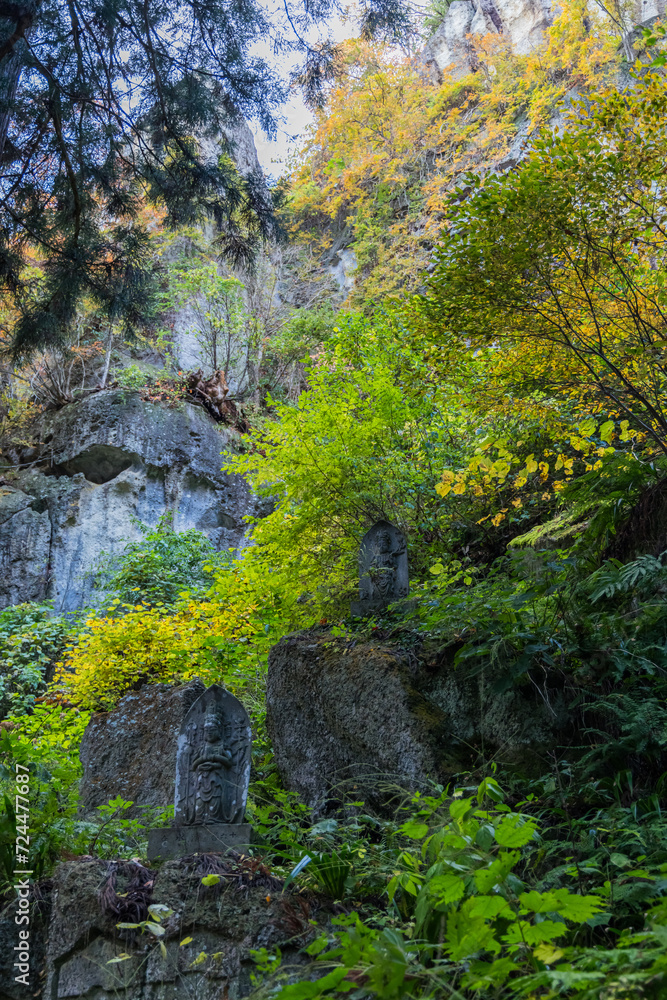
[180, 841]
[363, 609]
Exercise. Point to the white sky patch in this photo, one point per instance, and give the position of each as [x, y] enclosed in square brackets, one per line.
[273, 154]
[293, 117]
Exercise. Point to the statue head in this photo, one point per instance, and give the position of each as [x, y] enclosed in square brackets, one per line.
[384, 541]
[212, 728]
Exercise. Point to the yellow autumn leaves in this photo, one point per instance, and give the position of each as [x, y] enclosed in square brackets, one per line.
[389, 144]
[116, 651]
[491, 466]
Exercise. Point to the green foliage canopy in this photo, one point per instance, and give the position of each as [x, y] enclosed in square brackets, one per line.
[562, 261]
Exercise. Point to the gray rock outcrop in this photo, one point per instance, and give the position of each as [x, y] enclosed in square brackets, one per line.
[105, 463]
[522, 22]
[76, 944]
[357, 718]
[190, 329]
[131, 750]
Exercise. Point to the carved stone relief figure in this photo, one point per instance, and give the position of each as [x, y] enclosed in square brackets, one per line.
[213, 761]
[383, 565]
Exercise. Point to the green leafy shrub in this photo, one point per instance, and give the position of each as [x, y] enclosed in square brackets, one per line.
[115, 834]
[132, 377]
[47, 743]
[476, 917]
[31, 640]
[354, 449]
[162, 565]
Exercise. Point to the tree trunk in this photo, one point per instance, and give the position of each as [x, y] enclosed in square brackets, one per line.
[17, 22]
[107, 358]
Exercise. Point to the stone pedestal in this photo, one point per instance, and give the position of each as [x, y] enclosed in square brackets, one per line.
[180, 841]
[364, 609]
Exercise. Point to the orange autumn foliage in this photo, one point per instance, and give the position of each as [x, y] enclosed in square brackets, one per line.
[390, 142]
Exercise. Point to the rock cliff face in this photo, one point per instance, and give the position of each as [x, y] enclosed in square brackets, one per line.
[522, 22]
[104, 463]
[188, 349]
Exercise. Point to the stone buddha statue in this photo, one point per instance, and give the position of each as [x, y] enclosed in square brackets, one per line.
[213, 761]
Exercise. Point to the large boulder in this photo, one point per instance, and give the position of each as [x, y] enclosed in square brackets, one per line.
[106, 463]
[131, 751]
[363, 718]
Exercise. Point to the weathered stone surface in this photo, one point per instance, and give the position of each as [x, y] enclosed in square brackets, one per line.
[110, 431]
[131, 751]
[225, 922]
[179, 841]
[345, 715]
[40, 906]
[343, 268]
[25, 537]
[111, 460]
[522, 22]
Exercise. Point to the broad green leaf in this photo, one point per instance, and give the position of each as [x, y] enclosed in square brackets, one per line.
[514, 831]
[467, 935]
[446, 888]
[547, 953]
[484, 974]
[490, 787]
[459, 807]
[607, 431]
[538, 902]
[576, 908]
[484, 836]
[486, 906]
[496, 873]
[318, 945]
[304, 991]
[414, 829]
[210, 880]
[587, 428]
[522, 932]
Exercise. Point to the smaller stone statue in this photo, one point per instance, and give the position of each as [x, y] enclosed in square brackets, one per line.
[383, 569]
[212, 777]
